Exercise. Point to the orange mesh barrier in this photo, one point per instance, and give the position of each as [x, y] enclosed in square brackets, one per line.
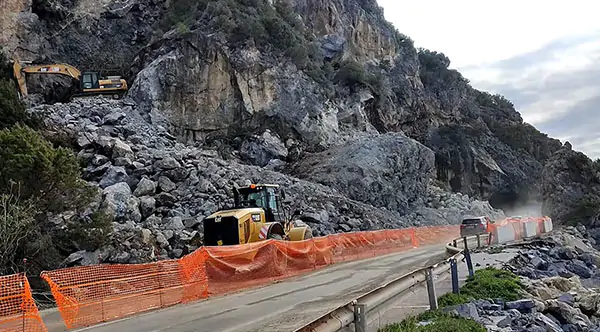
[437, 234]
[18, 312]
[92, 294]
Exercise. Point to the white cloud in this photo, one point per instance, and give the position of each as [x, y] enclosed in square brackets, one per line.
[472, 32]
[542, 55]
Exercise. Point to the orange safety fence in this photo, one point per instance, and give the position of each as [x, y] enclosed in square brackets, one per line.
[92, 294]
[437, 234]
[18, 312]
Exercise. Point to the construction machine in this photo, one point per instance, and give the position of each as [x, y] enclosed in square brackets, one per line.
[256, 216]
[87, 83]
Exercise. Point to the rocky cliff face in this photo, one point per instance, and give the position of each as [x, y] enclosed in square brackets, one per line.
[571, 188]
[316, 74]
[323, 96]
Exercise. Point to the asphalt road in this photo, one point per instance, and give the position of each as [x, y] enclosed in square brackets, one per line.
[282, 306]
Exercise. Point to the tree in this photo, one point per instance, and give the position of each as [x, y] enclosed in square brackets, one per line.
[17, 224]
[33, 167]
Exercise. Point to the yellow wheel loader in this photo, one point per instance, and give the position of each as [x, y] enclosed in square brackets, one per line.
[256, 216]
[88, 83]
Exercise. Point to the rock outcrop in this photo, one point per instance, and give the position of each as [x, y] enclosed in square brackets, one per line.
[571, 188]
[317, 75]
[157, 191]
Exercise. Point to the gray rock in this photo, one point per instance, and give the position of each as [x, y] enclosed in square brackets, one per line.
[113, 175]
[332, 45]
[115, 201]
[100, 170]
[147, 206]
[114, 118]
[521, 305]
[121, 161]
[81, 258]
[146, 236]
[121, 149]
[260, 150]
[175, 223]
[389, 170]
[467, 310]
[167, 163]
[165, 184]
[579, 269]
[145, 187]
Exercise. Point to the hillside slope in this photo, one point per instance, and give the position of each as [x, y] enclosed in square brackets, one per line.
[324, 96]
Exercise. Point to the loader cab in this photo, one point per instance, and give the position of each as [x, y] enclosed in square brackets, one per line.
[265, 196]
[90, 80]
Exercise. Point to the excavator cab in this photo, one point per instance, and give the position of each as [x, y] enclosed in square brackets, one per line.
[89, 80]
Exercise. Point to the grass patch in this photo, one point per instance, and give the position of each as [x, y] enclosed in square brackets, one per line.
[488, 283]
[437, 322]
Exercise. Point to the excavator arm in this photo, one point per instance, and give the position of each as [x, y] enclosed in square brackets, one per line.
[20, 72]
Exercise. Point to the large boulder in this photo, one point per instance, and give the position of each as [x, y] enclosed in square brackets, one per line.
[389, 170]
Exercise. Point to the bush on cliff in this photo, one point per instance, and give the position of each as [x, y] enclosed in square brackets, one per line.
[31, 167]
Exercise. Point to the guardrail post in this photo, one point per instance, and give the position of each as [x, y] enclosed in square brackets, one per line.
[478, 241]
[360, 317]
[469, 262]
[454, 271]
[433, 304]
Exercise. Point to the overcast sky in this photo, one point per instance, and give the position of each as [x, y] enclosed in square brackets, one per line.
[544, 56]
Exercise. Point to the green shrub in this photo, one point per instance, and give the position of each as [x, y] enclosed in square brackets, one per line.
[488, 283]
[87, 235]
[32, 167]
[439, 322]
[450, 299]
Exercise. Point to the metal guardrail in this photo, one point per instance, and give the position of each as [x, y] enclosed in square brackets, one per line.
[356, 311]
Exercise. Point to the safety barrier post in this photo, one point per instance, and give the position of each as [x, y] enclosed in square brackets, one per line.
[469, 262]
[360, 317]
[433, 304]
[454, 272]
[413, 238]
[478, 241]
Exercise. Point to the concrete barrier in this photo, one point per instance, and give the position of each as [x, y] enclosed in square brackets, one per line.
[547, 225]
[514, 229]
[530, 228]
[503, 233]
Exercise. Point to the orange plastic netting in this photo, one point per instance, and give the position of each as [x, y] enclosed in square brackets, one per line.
[92, 294]
[18, 312]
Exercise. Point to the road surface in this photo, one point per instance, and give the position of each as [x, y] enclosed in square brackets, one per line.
[282, 306]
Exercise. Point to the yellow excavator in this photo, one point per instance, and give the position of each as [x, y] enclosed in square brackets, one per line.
[256, 216]
[88, 83]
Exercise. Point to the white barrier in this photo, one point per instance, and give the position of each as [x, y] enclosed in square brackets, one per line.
[547, 225]
[530, 228]
[517, 229]
[503, 234]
